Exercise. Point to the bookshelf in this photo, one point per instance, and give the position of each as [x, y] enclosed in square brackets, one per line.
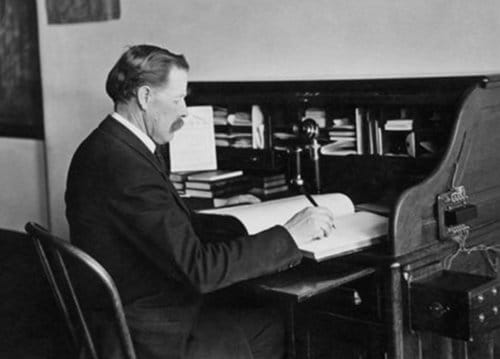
[375, 135]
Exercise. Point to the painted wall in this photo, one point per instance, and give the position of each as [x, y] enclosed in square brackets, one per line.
[22, 181]
[255, 39]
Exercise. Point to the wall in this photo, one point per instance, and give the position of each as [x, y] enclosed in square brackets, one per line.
[23, 196]
[255, 39]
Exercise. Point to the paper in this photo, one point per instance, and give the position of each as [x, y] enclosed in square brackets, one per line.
[354, 230]
[254, 215]
[193, 146]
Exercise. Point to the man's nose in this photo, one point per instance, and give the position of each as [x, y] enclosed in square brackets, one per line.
[183, 112]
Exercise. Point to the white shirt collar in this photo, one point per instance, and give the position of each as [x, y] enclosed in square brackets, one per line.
[136, 131]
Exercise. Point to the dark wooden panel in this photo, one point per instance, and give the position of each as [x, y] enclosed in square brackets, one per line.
[472, 160]
[20, 85]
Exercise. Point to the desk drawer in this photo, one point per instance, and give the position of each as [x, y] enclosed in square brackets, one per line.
[457, 305]
[359, 299]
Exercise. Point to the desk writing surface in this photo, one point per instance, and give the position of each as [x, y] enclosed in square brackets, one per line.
[307, 280]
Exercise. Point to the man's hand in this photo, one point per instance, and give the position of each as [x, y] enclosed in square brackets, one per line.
[309, 224]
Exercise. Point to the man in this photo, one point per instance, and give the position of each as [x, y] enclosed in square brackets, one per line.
[123, 210]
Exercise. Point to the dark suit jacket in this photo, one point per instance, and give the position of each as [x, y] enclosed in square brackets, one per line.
[123, 210]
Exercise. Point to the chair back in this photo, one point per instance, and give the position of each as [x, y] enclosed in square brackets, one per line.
[55, 254]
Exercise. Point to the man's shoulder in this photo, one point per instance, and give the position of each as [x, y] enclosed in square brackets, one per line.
[102, 148]
[103, 138]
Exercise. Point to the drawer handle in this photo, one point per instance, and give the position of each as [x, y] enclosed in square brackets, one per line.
[438, 310]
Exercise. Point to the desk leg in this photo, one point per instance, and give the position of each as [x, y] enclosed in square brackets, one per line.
[394, 313]
[290, 324]
[298, 334]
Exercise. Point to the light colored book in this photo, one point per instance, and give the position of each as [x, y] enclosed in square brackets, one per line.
[340, 147]
[215, 175]
[267, 191]
[399, 125]
[354, 230]
[343, 134]
[358, 113]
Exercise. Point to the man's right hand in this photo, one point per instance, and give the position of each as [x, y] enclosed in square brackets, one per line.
[309, 224]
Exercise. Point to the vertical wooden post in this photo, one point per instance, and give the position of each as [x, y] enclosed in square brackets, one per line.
[393, 312]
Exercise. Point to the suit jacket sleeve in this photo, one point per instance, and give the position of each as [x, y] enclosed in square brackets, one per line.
[146, 210]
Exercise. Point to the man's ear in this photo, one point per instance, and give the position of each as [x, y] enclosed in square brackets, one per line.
[143, 97]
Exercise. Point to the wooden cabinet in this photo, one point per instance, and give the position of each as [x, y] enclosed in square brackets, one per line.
[417, 141]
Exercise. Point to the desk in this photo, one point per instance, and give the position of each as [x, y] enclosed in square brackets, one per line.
[460, 117]
[313, 291]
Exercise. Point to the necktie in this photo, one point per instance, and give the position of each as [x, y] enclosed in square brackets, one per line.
[160, 159]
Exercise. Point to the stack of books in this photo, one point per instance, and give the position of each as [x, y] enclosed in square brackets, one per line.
[342, 137]
[178, 180]
[268, 185]
[233, 130]
[220, 116]
[216, 184]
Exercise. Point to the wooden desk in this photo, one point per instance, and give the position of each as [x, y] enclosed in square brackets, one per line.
[313, 289]
[460, 118]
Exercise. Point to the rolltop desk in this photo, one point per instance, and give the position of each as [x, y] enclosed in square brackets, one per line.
[431, 288]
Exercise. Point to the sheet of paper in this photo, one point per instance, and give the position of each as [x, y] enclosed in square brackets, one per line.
[193, 146]
[260, 216]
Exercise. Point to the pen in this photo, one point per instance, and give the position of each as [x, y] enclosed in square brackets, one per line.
[311, 199]
[313, 202]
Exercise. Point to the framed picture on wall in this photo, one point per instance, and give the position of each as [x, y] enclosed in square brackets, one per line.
[21, 111]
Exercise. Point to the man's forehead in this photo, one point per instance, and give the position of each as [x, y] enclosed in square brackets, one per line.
[177, 81]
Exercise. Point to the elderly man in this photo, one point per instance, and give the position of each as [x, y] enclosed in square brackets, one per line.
[123, 210]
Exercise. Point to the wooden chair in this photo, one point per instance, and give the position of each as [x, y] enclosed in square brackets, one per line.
[55, 254]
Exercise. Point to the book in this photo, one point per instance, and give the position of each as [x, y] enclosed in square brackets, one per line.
[358, 113]
[399, 125]
[354, 230]
[267, 181]
[270, 184]
[180, 186]
[340, 138]
[218, 192]
[213, 185]
[215, 175]
[263, 191]
[333, 133]
[339, 148]
[258, 128]
[262, 177]
[240, 119]
[180, 176]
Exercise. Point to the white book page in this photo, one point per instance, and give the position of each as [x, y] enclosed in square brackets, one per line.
[352, 232]
[193, 146]
[260, 216]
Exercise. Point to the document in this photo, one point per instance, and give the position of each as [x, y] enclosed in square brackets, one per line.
[193, 146]
[354, 230]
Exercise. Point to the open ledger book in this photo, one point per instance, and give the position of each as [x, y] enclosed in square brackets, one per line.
[354, 230]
